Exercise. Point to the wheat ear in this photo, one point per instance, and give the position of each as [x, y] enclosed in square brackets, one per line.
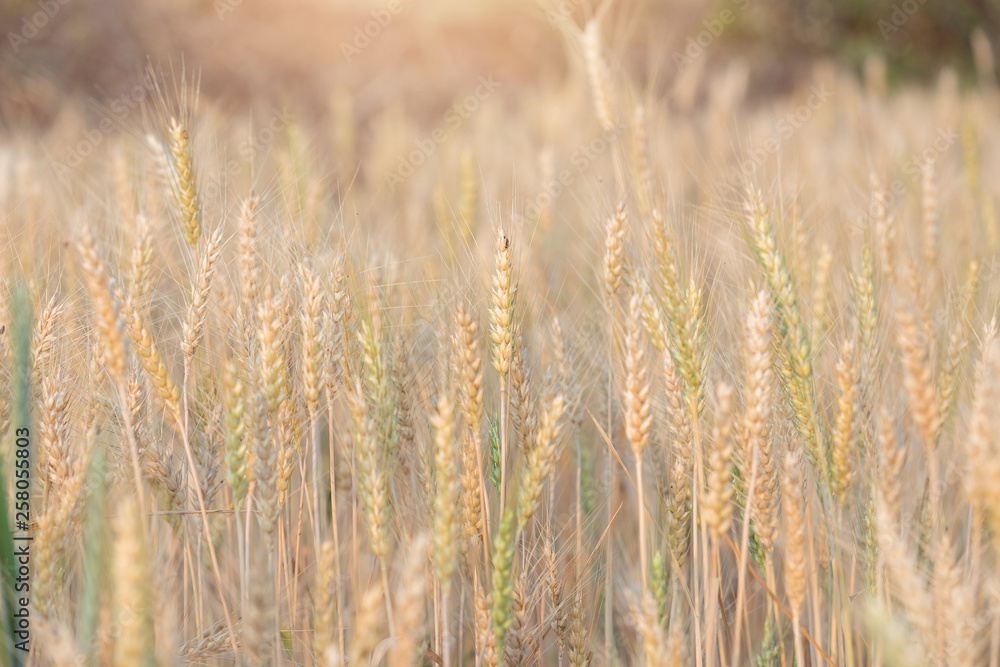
[759, 379]
[598, 74]
[185, 188]
[843, 432]
[638, 414]
[793, 504]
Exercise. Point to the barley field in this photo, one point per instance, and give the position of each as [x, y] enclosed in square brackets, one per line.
[588, 361]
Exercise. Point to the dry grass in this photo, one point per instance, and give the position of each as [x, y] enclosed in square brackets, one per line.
[740, 405]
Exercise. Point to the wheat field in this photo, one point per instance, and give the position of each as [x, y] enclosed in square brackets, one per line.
[587, 372]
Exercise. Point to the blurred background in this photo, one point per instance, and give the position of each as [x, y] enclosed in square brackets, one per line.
[422, 52]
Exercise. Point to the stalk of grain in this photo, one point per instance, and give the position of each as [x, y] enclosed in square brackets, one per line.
[613, 268]
[554, 587]
[718, 495]
[598, 74]
[675, 643]
[515, 646]
[843, 431]
[53, 454]
[371, 483]
[370, 480]
[794, 506]
[820, 295]
[44, 337]
[686, 357]
[865, 298]
[654, 642]
[404, 385]
[638, 416]
[758, 448]
[918, 380]
[679, 513]
[236, 441]
[885, 230]
[287, 443]
[907, 582]
[265, 468]
[677, 414]
[410, 605]
[504, 542]
[980, 450]
[333, 363]
[106, 305]
[324, 612]
[141, 260]
[132, 595]
[109, 322]
[951, 374]
[257, 625]
[470, 373]
[696, 333]
[579, 642]
[194, 325]
[185, 188]
[342, 304]
[893, 456]
[756, 419]
[791, 328]
[249, 261]
[311, 376]
[659, 584]
[640, 164]
[486, 639]
[717, 500]
[541, 459]
[61, 477]
[446, 514]
[502, 336]
[271, 359]
[929, 213]
[567, 378]
[152, 362]
[946, 579]
[213, 643]
[614, 249]
[652, 321]
[522, 403]
[376, 351]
